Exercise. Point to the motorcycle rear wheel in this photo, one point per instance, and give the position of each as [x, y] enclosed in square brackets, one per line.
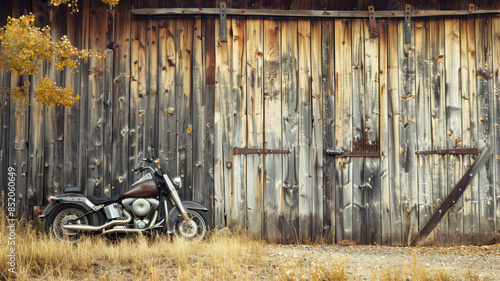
[200, 231]
[60, 216]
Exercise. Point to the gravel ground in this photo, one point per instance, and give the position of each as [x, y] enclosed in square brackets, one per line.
[367, 262]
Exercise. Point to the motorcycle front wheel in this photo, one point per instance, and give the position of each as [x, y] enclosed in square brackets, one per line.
[198, 230]
[60, 216]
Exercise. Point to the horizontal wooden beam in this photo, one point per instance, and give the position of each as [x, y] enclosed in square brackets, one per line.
[165, 12]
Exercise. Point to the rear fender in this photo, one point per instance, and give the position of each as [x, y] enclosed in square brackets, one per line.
[75, 199]
[174, 212]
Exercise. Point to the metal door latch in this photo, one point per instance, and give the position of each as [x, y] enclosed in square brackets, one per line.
[334, 151]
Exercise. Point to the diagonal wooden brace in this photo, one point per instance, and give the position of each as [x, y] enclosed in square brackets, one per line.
[457, 191]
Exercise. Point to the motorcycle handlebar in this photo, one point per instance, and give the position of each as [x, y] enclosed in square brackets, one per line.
[151, 160]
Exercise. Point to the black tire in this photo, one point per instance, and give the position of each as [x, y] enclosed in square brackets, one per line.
[63, 213]
[181, 228]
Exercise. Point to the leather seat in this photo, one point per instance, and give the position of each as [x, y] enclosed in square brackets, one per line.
[103, 200]
[73, 189]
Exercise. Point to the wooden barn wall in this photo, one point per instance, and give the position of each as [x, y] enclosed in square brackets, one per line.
[168, 87]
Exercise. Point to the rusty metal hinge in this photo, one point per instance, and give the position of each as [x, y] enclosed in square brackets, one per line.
[373, 22]
[244, 150]
[455, 151]
[408, 24]
[223, 22]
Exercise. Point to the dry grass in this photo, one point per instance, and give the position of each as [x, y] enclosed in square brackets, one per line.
[223, 256]
[417, 271]
[296, 270]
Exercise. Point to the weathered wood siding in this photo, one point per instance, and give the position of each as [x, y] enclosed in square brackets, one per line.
[171, 88]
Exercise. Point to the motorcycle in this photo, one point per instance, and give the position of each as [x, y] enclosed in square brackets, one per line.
[143, 207]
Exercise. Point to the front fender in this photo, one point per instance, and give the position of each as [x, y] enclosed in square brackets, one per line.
[174, 212]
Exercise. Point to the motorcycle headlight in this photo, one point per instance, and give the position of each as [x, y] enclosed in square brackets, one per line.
[177, 182]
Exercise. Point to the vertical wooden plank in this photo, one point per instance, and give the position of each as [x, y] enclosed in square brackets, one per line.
[394, 132]
[316, 146]
[438, 123]
[495, 23]
[238, 90]
[200, 97]
[272, 129]
[304, 132]
[305, 171]
[150, 70]
[360, 190]
[121, 97]
[219, 165]
[183, 90]
[71, 124]
[255, 119]
[423, 125]
[371, 131]
[95, 185]
[198, 70]
[209, 103]
[328, 80]
[409, 192]
[289, 79]
[108, 120]
[167, 142]
[83, 102]
[54, 126]
[486, 131]
[108, 79]
[453, 124]
[137, 96]
[343, 130]
[225, 113]
[36, 129]
[385, 148]
[469, 127]
[19, 118]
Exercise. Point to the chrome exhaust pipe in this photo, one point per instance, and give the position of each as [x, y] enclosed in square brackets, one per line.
[77, 227]
[122, 230]
[133, 230]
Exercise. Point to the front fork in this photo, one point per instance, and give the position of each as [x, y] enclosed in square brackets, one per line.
[177, 200]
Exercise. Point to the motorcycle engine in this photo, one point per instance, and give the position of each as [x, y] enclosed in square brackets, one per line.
[141, 223]
[141, 207]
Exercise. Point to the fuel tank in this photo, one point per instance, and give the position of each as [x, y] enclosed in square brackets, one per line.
[144, 187]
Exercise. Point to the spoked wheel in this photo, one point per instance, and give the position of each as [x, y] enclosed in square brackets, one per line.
[63, 216]
[198, 228]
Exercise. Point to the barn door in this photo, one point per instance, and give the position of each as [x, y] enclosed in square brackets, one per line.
[268, 171]
[351, 137]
